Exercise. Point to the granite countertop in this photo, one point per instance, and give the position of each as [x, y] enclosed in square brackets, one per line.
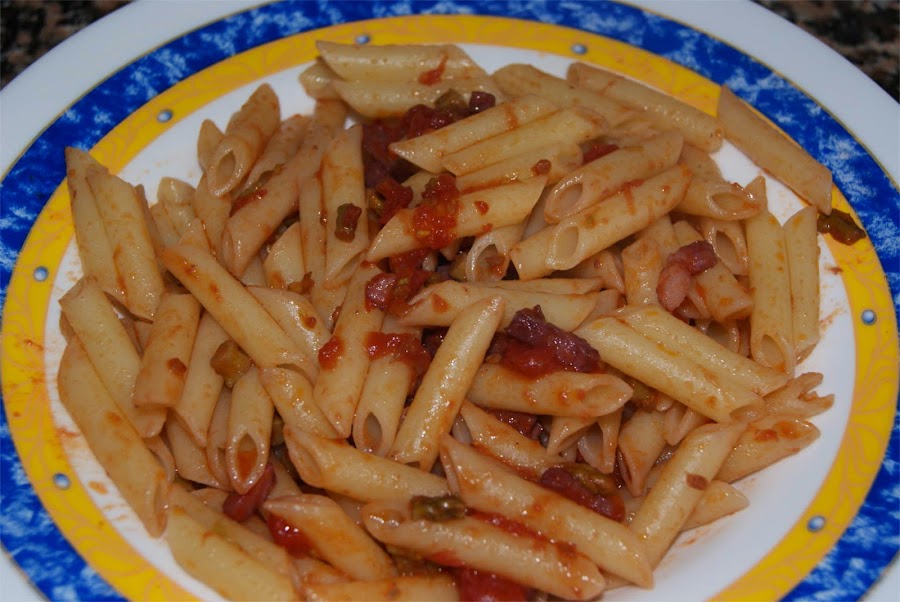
[866, 32]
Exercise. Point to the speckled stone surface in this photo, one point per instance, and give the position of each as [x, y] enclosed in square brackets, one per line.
[866, 32]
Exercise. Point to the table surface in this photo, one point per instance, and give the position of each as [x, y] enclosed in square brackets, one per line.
[866, 32]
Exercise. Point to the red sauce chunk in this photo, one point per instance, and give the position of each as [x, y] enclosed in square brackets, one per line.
[433, 76]
[396, 197]
[565, 483]
[765, 435]
[330, 353]
[380, 290]
[240, 507]
[541, 168]
[696, 481]
[525, 359]
[596, 150]
[524, 423]
[534, 346]
[675, 278]
[347, 221]
[481, 586]
[445, 558]
[404, 347]
[439, 304]
[434, 219]
[380, 164]
[481, 101]
[288, 536]
[247, 199]
[176, 366]
[392, 290]
[432, 339]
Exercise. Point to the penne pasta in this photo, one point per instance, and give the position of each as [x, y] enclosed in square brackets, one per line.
[476, 543]
[771, 321]
[680, 486]
[774, 152]
[396, 63]
[334, 465]
[578, 237]
[228, 569]
[700, 129]
[487, 487]
[411, 588]
[244, 140]
[142, 480]
[573, 125]
[377, 99]
[572, 394]
[94, 245]
[441, 304]
[764, 442]
[249, 431]
[164, 364]
[605, 176]
[101, 335]
[501, 441]
[121, 209]
[444, 384]
[343, 192]
[518, 79]
[344, 360]
[675, 374]
[334, 536]
[235, 309]
[478, 212]
[428, 150]
[801, 243]
[283, 145]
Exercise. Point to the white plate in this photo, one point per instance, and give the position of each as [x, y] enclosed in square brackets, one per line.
[125, 35]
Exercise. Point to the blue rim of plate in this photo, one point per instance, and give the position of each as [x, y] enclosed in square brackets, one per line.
[26, 530]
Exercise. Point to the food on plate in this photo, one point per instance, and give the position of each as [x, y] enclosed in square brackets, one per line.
[451, 335]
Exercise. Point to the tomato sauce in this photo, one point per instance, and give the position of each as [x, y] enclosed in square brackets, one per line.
[596, 150]
[248, 198]
[240, 507]
[433, 76]
[434, 220]
[534, 347]
[404, 347]
[507, 524]
[330, 353]
[288, 536]
[481, 586]
[526, 359]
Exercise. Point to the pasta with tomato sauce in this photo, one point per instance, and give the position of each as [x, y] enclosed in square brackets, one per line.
[481, 350]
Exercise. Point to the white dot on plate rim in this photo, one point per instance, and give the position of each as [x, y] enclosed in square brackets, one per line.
[41, 273]
[816, 523]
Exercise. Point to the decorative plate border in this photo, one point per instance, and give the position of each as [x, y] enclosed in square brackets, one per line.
[38, 172]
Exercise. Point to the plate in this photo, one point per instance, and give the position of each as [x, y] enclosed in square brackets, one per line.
[829, 535]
